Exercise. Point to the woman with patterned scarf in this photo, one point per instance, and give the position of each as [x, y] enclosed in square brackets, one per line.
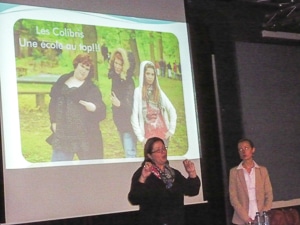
[159, 189]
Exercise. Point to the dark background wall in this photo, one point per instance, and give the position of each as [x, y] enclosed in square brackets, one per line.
[270, 102]
[219, 28]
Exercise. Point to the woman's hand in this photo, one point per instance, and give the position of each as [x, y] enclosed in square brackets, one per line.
[190, 168]
[88, 105]
[114, 100]
[53, 127]
[146, 172]
[167, 135]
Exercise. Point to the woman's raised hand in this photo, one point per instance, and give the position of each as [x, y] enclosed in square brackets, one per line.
[190, 168]
[146, 171]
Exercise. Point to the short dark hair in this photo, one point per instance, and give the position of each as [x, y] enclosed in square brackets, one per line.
[246, 140]
[86, 60]
[148, 147]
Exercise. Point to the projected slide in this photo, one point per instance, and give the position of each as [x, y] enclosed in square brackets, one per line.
[44, 50]
[80, 94]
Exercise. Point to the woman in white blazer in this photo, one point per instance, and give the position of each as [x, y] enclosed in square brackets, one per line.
[250, 188]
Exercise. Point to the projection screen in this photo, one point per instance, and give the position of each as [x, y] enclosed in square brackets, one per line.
[38, 45]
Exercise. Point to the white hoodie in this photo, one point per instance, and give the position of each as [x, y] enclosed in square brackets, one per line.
[167, 109]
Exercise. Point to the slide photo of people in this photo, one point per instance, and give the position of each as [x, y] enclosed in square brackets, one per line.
[89, 92]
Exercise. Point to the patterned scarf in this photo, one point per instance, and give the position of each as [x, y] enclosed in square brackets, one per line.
[167, 176]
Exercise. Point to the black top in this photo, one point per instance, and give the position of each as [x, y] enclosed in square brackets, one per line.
[159, 205]
[123, 89]
[76, 128]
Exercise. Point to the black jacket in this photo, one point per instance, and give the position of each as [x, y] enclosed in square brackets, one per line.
[123, 89]
[159, 205]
